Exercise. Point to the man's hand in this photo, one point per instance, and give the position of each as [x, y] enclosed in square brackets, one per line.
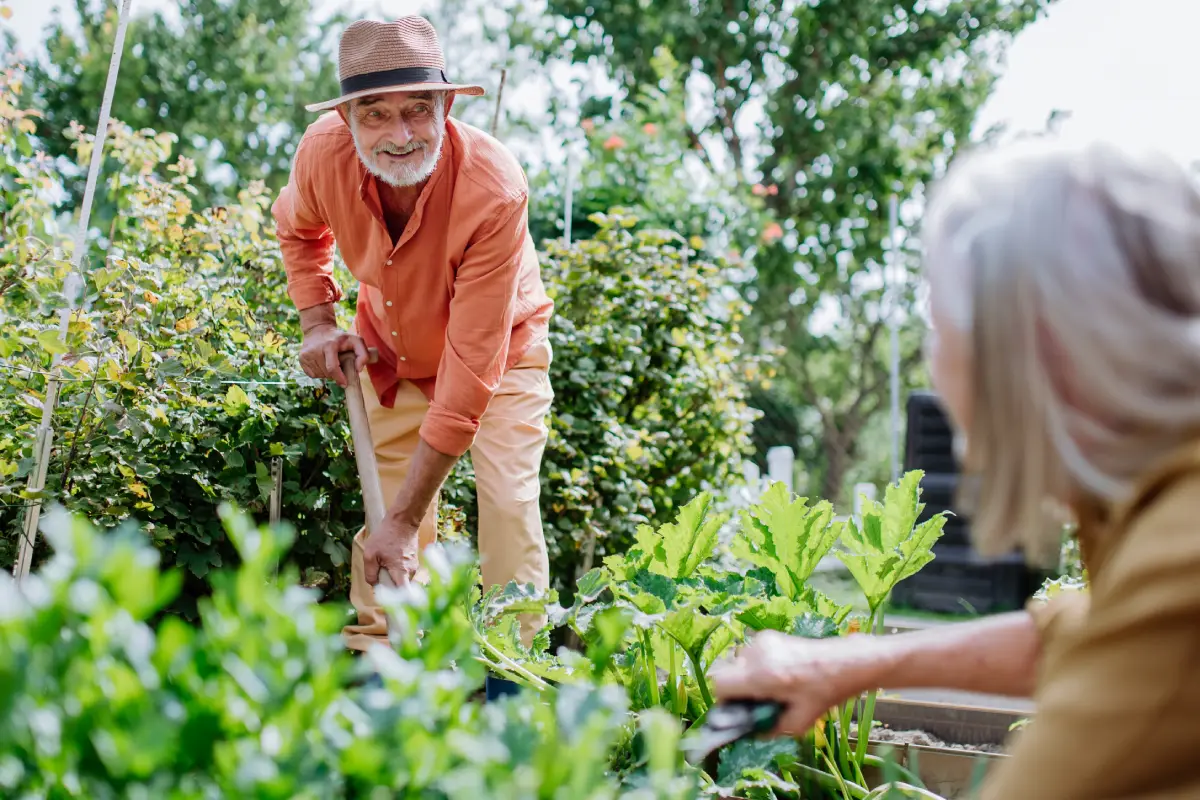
[323, 342]
[394, 547]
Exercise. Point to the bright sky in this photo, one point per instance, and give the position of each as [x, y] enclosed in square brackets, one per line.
[1124, 68]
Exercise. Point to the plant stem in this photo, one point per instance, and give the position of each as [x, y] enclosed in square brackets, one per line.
[833, 781]
[883, 764]
[651, 669]
[511, 665]
[679, 699]
[866, 719]
[847, 788]
[847, 711]
[881, 792]
[701, 681]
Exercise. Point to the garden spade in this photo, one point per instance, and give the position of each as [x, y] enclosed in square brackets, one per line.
[729, 722]
[364, 450]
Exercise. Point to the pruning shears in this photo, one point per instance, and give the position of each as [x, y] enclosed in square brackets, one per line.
[729, 722]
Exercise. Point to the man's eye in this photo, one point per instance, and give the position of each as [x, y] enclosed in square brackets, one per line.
[422, 109]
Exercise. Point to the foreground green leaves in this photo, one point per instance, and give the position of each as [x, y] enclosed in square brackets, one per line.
[261, 700]
[887, 546]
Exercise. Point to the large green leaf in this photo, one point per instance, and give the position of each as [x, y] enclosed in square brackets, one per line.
[786, 536]
[691, 628]
[887, 548]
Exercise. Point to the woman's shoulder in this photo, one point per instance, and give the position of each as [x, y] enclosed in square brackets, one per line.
[1156, 535]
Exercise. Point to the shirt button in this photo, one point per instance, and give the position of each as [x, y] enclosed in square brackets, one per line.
[389, 262]
[403, 358]
[389, 303]
[395, 333]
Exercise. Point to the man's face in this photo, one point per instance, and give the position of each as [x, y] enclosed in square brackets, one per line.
[398, 135]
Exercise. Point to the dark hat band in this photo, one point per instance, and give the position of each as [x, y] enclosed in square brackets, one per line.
[392, 77]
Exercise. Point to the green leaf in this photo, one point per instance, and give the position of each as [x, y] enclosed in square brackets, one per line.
[814, 626]
[754, 754]
[50, 341]
[786, 536]
[605, 636]
[593, 584]
[236, 400]
[691, 628]
[681, 546]
[886, 549]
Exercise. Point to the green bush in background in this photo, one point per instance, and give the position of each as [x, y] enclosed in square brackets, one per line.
[182, 385]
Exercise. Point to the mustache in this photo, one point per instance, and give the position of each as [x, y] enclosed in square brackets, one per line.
[396, 150]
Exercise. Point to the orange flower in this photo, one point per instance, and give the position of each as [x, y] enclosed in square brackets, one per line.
[772, 189]
[650, 129]
[758, 189]
[772, 232]
[588, 125]
[613, 143]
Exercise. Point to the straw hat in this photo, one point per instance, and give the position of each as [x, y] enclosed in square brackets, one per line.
[399, 56]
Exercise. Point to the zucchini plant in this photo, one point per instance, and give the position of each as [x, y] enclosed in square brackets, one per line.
[655, 619]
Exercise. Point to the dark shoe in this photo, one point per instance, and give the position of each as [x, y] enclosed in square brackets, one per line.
[499, 687]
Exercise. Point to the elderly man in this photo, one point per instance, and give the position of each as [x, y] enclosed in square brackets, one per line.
[431, 218]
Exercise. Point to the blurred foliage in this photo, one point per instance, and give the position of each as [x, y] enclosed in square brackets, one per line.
[260, 699]
[228, 77]
[821, 111]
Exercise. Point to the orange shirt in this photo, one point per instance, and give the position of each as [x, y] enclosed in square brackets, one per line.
[452, 305]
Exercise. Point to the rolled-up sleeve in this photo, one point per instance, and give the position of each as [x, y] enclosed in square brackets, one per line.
[305, 240]
[479, 330]
[1119, 697]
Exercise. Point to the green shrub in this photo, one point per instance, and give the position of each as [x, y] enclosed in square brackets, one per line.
[182, 384]
[180, 381]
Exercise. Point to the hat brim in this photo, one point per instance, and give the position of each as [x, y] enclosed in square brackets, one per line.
[457, 88]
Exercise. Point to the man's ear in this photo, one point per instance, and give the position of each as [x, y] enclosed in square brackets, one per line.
[449, 102]
[343, 110]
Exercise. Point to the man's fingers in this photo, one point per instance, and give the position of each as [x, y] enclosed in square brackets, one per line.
[360, 350]
[370, 569]
[333, 368]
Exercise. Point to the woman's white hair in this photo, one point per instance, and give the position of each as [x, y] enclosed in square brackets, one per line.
[1074, 273]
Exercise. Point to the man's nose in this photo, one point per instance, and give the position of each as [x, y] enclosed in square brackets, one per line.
[401, 132]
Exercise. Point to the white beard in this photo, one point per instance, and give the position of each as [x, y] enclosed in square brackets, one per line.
[402, 174]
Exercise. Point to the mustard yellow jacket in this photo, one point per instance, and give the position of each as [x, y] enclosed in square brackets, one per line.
[1118, 688]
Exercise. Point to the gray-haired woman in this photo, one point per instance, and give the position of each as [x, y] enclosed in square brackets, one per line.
[1065, 344]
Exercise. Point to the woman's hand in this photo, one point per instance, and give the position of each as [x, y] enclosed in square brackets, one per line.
[808, 676]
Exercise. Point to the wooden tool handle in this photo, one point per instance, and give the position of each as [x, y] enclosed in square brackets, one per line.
[364, 451]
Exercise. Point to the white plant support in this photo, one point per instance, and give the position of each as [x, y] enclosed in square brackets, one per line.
[781, 467]
[569, 198]
[72, 287]
[863, 492]
[893, 329]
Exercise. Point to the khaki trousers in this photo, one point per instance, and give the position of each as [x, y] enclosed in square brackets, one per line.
[507, 457]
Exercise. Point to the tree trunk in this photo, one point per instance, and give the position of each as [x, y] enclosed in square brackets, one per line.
[840, 445]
